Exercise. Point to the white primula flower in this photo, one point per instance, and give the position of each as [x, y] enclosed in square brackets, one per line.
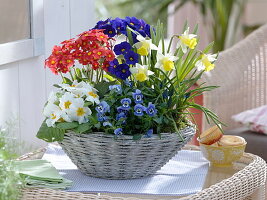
[144, 45]
[52, 98]
[206, 62]
[141, 72]
[78, 112]
[92, 96]
[187, 40]
[53, 114]
[66, 101]
[165, 62]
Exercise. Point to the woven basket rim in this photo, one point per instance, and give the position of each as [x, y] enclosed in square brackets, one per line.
[130, 137]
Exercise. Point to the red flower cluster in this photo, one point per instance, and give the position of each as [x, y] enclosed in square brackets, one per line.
[90, 48]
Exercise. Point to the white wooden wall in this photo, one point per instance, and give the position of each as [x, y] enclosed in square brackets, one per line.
[25, 85]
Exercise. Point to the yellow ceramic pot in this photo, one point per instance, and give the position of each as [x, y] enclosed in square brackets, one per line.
[222, 156]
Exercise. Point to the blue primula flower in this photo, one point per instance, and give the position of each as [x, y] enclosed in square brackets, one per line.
[101, 117]
[103, 107]
[113, 66]
[118, 131]
[131, 58]
[149, 133]
[139, 109]
[123, 71]
[109, 30]
[138, 96]
[119, 24]
[126, 102]
[151, 110]
[101, 23]
[133, 22]
[122, 48]
[116, 88]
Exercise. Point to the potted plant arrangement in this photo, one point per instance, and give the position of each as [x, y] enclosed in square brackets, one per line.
[122, 110]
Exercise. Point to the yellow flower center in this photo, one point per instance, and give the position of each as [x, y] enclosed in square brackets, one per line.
[99, 53]
[122, 50]
[80, 112]
[61, 120]
[53, 62]
[92, 94]
[208, 65]
[168, 65]
[110, 32]
[89, 53]
[141, 76]
[53, 116]
[191, 43]
[142, 51]
[67, 104]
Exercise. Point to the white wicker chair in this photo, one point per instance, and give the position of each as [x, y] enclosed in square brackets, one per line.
[241, 73]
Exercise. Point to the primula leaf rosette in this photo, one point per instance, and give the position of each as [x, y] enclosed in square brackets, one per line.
[122, 78]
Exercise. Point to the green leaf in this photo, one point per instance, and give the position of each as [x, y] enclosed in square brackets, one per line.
[103, 87]
[67, 125]
[83, 127]
[50, 134]
[137, 137]
[97, 125]
[56, 85]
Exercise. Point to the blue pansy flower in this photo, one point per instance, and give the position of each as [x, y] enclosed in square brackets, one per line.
[138, 96]
[126, 102]
[122, 109]
[139, 109]
[131, 58]
[151, 110]
[116, 88]
[123, 71]
[118, 131]
[101, 117]
[133, 22]
[147, 30]
[119, 24]
[121, 116]
[149, 133]
[107, 124]
[128, 83]
[109, 30]
[122, 48]
[103, 107]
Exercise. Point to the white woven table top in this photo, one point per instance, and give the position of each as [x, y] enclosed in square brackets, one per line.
[185, 174]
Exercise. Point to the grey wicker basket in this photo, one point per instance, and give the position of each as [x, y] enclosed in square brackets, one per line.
[100, 155]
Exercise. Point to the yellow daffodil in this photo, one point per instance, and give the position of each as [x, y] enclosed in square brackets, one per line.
[187, 41]
[141, 72]
[144, 46]
[165, 62]
[206, 62]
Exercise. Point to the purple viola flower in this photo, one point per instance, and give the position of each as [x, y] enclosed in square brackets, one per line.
[103, 107]
[122, 48]
[126, 102]
[133, 22]
[118, 131]
[123, 71]
[131, 58]
[109, 30]
[149, 133]
[138, 96]
[119, 24]
[139, 109]
[151, 110]
[101, 117]
[116, 88]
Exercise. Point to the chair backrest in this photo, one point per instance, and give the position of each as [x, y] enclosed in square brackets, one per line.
[241, 73]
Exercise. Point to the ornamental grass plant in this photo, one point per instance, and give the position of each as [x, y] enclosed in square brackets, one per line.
[122, 78]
